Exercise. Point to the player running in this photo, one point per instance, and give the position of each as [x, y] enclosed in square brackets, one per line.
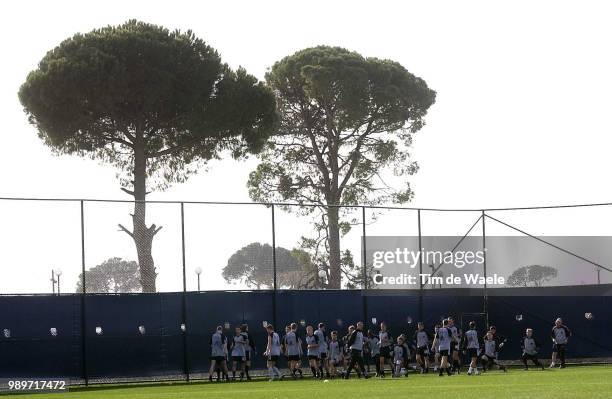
[560, 335]
[421, 342]
[273, 351]
[471, 345]
[355, 343]
[443, 338]
[530, 347]
[454, 350]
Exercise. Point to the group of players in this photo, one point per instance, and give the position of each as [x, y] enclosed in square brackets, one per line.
[336, 356]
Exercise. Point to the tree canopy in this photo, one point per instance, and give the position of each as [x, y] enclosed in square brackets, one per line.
[153, 102]
[253, 265]
[114, 275]
[344, 120]
[536, 275]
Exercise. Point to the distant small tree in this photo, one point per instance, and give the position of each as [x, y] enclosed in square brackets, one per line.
[533, 274]
[114, 275]
[253, 265]
[152, 102]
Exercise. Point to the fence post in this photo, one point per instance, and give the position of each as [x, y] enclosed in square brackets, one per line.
[184, 299]
[274, 286]
[83, 294]
[420, 267]
[485, 304]
[366, 321]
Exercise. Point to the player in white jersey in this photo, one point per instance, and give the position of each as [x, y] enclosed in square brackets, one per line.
[374, 351]
[489, 357]
[444, 338]
[273, 351]
[385, 342]
[238, 353]
[435, 344]
[398, 357]
[335, 354]
[471, 345]
[218, 353]
[249, 349]
[421, 343]
[292, 350]
[454, 355]
[312, 351]
[560, 335]
[323, 362]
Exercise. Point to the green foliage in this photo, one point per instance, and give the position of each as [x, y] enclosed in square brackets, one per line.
[139, 86]
[253, 265]
[534, 274]
[345, 120]
[114, 275]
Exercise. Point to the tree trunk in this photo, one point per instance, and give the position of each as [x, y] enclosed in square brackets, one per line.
[335, 267]
[141, 234]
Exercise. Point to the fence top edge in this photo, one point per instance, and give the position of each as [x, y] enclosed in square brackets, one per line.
[288, 204]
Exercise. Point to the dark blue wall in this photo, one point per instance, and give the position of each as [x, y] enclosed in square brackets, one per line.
[121, 351]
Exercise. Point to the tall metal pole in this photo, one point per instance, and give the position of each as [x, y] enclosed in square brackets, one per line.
[83, 297]
[484, 267]
[275, 285]
[420, 267]
[364, 266]
[184, 299]
[53, 281]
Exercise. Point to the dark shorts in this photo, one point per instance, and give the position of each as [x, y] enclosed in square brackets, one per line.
[356, 353]
[558, 347]
[472, 352]
[385, 352]
[423, 351]
[313, 357]
[453, 347]
[218, 358]
[238, 359]
[293, 358]
[323, 356]
[273, 358]
[444, 352]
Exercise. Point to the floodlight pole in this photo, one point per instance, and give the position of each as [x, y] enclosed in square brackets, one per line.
[53, 281]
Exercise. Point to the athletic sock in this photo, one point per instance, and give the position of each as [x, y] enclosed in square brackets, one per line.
[314, 371]
[275, 369]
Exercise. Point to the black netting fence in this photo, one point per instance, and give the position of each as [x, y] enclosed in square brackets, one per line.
[159, 277]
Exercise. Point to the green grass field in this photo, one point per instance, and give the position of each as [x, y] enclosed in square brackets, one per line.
[590, 382]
